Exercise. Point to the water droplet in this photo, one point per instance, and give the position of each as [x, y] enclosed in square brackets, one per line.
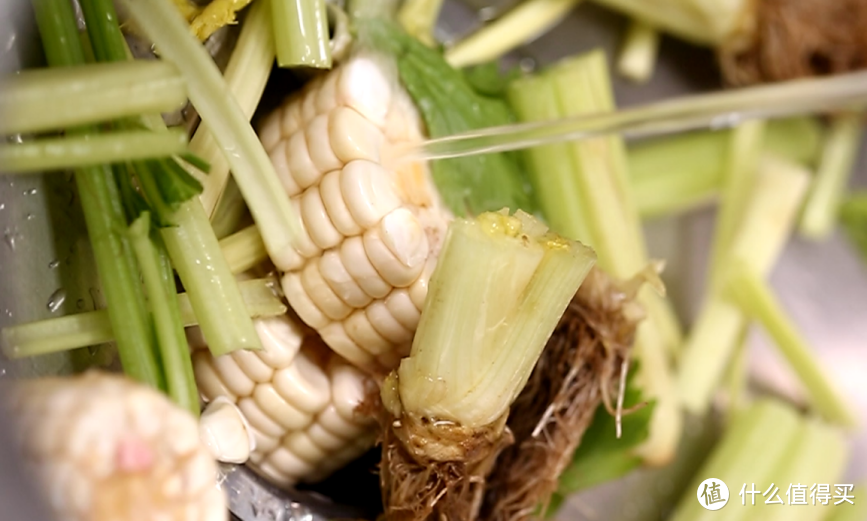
[8, 312]
[2, 206]
[32, 191]
[3, 372]
[53, 264]
[30, 217]
[56, 300]
[11, 238]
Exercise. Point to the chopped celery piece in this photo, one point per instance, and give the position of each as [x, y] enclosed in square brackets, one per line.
[499, 288]
[58, 98]
[93, 328]
[753, 296]
[638, 55]
[246, 74]
[838, 161]
[159, 282]
[419, 17]
[244, 249]
[764, 228]
[208, 278]
[521, 24]
[758, 439]
[218, 108]
[104, 216]
[584, 193]
[77, 151]
[301, 33]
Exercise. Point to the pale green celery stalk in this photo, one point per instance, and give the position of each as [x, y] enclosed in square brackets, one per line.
[738, 179]
[681, 172]
[706, 22]
[301, 33]
[638, 55]
[92, 328]
[753, 296]
[819, 455]
[58, 98]
[832, 176]
[499, 288]
[244, 249]
[847, 512]
[218, 108]
[230, 211]
[600, 169]
[76, 151]
[208, 278]
[736, 377]
[245, 75]
[763, 232]
[521, 24]
[755, 443]
[419, 17]
[163, 303]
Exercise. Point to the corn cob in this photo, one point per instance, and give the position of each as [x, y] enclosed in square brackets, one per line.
[297, 397]
[106, 448]
[372, 229]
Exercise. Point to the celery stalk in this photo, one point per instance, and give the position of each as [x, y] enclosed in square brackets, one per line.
[499, 288]
[755, 443]
[638, 55]
[763, 231]
[51, 99]
[419, 17]
[246, 74]
[209, 93]
[104, 217]
[856, 512]
[163, 302]
[756, 299]
[94, 327]
[244, 249]
[77, 151]
[819, 455]
[835, 168]
[521, 24]
[301, 33]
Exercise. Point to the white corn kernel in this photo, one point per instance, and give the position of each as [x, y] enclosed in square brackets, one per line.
[341, 282]
[418, 290]
[258, 419]
[281, 339]
[263, 443]
[279, 159]
[308, 101]
[303, 242]
[233, 377]
[335, 336]
[300, 164]
[337, 425]
[317, 220]
[224, 430]
[332, 198]
[321, 146]
[363, 87]
[368, 191]
[300, 444]
[358, 265]
[253, 366]
[270, 133]
[291, 121]
[353, 136]
[385, 324]
[347, 389]
[287, 462]
[325, 439]
[360, 330]
[278, 409]
[321, 293]
[304, 384]
[301, 303]
[326, 95]
[397, 248]
[400, 306]
[207, 380]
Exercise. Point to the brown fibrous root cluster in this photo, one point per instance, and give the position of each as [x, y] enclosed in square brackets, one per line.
[506, 477]
[798, 38]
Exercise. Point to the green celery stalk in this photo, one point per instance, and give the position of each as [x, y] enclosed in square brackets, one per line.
[94, 327]
[638, 55]
[301, 33]
[758, 439]
[103, 213]
[209, 93]
[757, 300]
[77, 151]
[244, 249]
[78, 94]
[521, 24]
[245, 74]
[838, 161]
[763, 231]
[159, 282]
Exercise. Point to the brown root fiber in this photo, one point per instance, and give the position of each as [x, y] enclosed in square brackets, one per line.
[580, 366]
[799, 38]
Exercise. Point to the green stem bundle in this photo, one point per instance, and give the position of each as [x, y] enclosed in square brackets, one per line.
[301, 33]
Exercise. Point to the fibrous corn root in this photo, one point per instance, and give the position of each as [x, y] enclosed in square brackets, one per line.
[298, 398]
[105, 448]
[371, 229]
[798, 38]
[580, 367]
